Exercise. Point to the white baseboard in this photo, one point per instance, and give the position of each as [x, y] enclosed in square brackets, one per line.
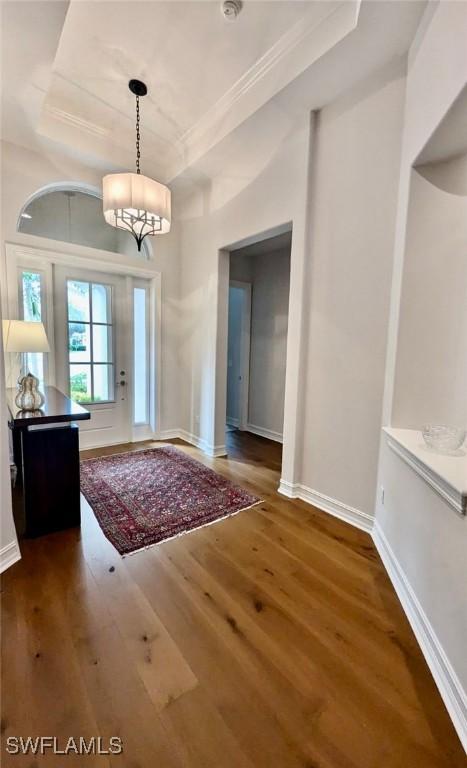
[171, 434]
[211, 450]
[167, 434]
[103, 444]
[288, 489]
[332, 506]
[9, 554]
[263, 432]
[181, 434]
[449, 686]
[232, 422]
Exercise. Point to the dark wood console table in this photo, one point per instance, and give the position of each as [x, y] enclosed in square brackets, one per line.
[46, 454]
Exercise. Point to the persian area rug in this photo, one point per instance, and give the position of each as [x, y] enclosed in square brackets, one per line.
[145, 497]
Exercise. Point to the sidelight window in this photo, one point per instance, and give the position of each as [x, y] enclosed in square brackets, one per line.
[31, 309]
[141, 357]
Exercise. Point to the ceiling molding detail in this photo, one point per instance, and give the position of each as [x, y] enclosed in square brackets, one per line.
[75, 121]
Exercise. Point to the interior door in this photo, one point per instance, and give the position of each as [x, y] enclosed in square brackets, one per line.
[238, 353]
[234, 355]
[93, 351]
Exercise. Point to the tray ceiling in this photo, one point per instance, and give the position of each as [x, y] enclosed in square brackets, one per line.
[66, 66]
[204, 74]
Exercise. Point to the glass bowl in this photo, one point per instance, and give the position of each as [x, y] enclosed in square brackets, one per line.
[442, 438]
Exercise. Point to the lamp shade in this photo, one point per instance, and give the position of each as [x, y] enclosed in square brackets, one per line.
[24, 336]
[131, 198]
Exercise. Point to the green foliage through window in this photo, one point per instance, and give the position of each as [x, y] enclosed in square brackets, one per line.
[32, 296]
[79, 389]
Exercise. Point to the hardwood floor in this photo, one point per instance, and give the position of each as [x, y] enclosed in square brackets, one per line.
[272, 639]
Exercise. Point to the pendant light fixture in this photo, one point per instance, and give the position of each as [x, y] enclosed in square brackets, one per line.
[134, 202]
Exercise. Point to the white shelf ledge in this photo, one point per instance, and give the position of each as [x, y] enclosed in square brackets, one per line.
[446, 474]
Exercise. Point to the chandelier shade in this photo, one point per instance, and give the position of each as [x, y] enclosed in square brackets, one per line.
[137, 204]
[133, 202]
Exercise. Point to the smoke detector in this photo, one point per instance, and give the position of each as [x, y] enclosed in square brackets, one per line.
[230, 9]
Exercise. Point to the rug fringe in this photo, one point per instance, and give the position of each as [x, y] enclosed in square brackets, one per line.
[190, 530]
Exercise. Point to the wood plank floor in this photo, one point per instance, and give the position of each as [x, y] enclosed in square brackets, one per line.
[272, 639]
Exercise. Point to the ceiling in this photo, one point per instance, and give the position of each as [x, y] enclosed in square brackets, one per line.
[66, 67]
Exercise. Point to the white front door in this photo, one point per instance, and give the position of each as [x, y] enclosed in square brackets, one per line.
[93, 351]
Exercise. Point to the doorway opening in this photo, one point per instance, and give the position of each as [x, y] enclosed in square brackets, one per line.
[258, 308]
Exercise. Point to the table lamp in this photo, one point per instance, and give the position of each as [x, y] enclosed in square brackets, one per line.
[22, 336]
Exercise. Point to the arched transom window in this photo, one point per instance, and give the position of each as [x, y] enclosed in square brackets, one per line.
[73, 215]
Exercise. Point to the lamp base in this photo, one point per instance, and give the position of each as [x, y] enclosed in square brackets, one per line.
[29, 398]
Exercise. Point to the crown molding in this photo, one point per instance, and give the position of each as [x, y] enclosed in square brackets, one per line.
[76, 122]
[305, 42]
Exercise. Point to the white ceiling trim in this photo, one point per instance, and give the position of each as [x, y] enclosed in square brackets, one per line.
[309, 39]
[75, 121]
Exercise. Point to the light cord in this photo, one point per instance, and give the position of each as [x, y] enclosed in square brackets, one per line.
[138, 136]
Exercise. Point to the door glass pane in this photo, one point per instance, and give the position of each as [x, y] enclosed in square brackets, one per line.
[78, 300]
[90, 342]
[102, 343]
[140, 400]
[79, 343]
[80, 383]
[100, 303]
[102, 382]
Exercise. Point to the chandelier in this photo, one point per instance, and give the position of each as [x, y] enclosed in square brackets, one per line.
[134, 202]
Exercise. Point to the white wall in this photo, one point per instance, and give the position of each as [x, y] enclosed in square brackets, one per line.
[449, 175]
[431, 370]
[269, 274]
[257, 188]
[427, 539]
[356, 178]
[342, 239]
